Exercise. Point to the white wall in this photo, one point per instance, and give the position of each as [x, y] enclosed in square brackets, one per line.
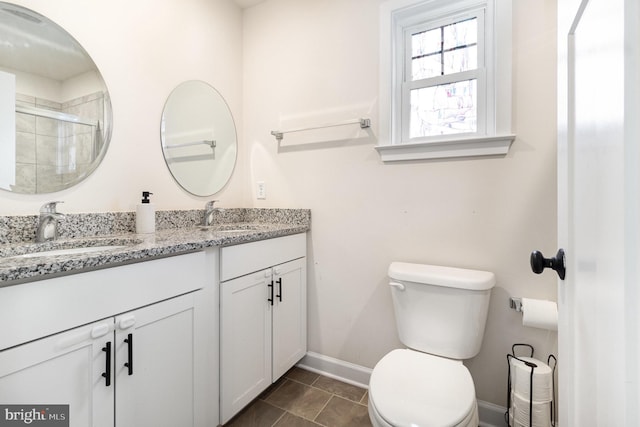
[308, 60]
[145, 48]
[32, 85]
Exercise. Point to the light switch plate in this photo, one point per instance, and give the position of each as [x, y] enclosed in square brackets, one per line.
[261, 190]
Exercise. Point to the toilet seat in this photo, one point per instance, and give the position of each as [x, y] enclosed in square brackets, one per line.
[409, 388]
[377, 421]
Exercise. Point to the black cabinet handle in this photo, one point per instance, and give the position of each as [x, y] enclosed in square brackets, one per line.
[129, 364]
[107, 373]
[279, 282]
[271, 292]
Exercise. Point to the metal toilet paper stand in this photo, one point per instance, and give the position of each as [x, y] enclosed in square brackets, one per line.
[532, 366]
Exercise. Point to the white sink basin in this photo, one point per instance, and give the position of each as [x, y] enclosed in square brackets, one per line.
[70, 251]
[231, 228]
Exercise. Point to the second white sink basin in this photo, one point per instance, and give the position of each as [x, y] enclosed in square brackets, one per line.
[231, 228]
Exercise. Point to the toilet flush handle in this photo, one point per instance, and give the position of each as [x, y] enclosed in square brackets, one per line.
[397, 285]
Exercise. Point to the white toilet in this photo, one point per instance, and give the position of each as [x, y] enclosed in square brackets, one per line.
[440, 315]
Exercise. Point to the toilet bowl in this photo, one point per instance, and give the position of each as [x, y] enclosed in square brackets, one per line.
[440, 314]
[409, 388]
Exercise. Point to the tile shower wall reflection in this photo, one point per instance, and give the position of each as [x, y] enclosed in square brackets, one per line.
[50, 152]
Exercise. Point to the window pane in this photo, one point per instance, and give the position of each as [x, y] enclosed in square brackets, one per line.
[425, 43]
[462, 33]
[444, 109]
[462, 59]
[427, 66]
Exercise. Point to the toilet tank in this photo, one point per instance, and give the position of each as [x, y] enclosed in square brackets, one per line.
[440, 310]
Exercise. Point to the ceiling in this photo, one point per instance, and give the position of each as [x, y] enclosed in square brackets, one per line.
[247, 3]
[28, 40]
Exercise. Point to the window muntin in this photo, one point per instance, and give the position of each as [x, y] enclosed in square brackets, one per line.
[444, 50]
[443, 83]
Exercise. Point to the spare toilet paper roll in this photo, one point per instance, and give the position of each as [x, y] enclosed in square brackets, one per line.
[542, 379]
[541, 314]
[514, 423]
[541, 412]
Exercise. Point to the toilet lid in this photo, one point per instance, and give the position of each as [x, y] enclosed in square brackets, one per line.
[410, 388]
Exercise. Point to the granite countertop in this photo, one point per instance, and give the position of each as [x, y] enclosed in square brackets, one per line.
[134, 248]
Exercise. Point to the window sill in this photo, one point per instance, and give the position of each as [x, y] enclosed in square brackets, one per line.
[463, 147]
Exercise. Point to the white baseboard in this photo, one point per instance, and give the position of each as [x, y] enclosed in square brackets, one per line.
[490, 415]
[337, 369]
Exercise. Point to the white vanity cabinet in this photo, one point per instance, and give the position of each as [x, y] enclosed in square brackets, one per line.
[143, 365]
[143, 358]
[263, 317]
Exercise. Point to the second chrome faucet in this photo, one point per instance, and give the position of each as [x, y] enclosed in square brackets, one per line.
[48, 222]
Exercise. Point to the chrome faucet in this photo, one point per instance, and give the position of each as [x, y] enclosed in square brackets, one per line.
[48, 222]
[208, 213]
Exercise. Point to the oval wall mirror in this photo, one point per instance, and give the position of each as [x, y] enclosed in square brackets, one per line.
[55, 112]
[198, 138]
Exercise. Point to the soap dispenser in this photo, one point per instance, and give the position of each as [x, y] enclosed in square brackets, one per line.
[145, 215]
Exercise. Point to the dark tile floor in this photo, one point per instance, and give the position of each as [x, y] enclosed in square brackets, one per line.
[304, 399]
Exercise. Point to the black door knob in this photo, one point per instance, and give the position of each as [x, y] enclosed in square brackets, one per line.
[539, 263]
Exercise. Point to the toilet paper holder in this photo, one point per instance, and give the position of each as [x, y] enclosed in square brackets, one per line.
[516, 304]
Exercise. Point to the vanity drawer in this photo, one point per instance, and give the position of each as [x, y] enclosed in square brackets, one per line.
[36, 309]
[236, 261]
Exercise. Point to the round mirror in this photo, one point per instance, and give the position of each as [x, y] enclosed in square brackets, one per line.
[55, 112]
[198, 138]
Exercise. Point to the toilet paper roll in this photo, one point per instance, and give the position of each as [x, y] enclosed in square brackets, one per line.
[540, 314]
[541, 412]
[514, 423]
[521, 379]
[511, 421]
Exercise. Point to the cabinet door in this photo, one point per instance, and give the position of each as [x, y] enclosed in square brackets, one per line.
[64, 369]
[154, 365]
[289, 316]
[245, 340]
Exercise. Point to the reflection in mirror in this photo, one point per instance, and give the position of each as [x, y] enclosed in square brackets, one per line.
[198, 138]
[55, 112]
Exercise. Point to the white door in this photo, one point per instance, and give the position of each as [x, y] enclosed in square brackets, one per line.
[289, 315]
[64, 369]
[154, 369]
[598, 218]
[245, 340]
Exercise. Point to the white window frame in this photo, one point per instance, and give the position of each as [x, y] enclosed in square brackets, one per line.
[493, 134]
[404, 69]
